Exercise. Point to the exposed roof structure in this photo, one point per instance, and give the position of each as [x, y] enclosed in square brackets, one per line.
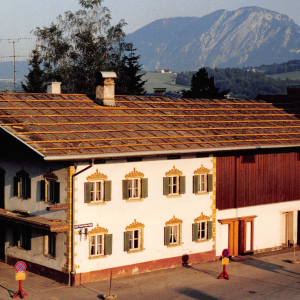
[54, 225]
[65, 126]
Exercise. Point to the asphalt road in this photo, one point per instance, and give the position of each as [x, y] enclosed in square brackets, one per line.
[253, 277]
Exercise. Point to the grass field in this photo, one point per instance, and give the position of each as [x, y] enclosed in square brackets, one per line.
[161, 80]
[290, 75]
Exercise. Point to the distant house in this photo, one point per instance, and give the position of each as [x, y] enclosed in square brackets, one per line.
[164, 71]
[139, 183]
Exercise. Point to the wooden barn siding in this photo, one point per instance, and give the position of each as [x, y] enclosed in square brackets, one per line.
[273, 178]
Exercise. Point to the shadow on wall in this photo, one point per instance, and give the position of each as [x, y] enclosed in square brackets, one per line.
[195, 294]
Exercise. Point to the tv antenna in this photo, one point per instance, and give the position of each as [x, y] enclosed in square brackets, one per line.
[13, 41]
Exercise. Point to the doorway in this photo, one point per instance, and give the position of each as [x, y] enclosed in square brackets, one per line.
[240, 235]
[289, 232]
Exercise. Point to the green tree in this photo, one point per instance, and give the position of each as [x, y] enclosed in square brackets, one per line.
[130, 82]
[35, 80]
[203, 86]
[80, 45]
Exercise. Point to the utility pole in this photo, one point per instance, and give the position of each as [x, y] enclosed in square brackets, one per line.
[13, 41]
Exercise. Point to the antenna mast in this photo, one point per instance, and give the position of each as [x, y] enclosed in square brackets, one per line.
[13, 41]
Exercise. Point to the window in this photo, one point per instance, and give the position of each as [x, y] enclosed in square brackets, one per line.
[50, 245]
[173, 232]
[202, 228]
[97, 244]
[135, 186]
[133, 237]
[202, 181]
[174, 183]
[50, 188]
[100, 243]
[97, 189]
[22, 237]
[22, 185]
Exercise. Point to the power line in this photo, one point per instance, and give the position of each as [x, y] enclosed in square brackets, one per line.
[13, 41]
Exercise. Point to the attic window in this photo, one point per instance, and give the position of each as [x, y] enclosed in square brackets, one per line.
[248, 159]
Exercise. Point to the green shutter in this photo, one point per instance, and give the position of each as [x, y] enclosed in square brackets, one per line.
[195, 184]
[125, 184]
[56, 192]
[167, 235]
[87, 192]
[166, 186]
[209, 182]
[126, 241]
[144, 183]
[43, 186]
[108, 244]
[28, 188]
[16, 183]
[181, 184]
[107, 190]
[209, 229]
[195, 231]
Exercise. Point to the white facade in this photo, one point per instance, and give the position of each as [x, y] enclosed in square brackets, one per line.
[153, 211]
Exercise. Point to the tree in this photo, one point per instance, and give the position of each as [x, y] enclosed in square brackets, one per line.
[80, 45]
[35, 80]
[130, 82]
[203, 86]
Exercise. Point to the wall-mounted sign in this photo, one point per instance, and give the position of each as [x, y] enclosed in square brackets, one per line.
[79, 226]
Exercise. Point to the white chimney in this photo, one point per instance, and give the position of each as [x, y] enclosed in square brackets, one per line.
[53, 88]
[105, 91]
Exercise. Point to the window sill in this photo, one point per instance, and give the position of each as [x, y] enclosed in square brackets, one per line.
[201, 193]
[135, 200]
[97, 256]
[49, 256]
[201, 241]
[174, 196]
[97, 203]
[48, 202]
[135, 251]
[174, 245]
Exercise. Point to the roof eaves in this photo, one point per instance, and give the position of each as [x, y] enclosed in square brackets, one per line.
[20, 140]
[164, 152]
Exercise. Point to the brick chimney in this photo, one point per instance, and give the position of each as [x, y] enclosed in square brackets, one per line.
[53, 88]
[105, 90]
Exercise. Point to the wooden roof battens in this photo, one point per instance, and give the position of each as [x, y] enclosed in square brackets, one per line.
[162, 152]
[105, 90]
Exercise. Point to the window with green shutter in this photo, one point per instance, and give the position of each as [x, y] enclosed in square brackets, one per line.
[135, 188]
[50, 188]
[202, 230]
[97, 191]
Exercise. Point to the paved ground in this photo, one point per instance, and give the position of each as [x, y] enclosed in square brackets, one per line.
[253, 277]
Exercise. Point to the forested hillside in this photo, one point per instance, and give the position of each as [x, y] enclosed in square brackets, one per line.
[290, 66]
[243, 83]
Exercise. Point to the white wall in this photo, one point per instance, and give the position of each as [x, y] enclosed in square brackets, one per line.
[153, 212]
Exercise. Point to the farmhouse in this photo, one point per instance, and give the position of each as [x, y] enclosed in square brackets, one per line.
[135, 183]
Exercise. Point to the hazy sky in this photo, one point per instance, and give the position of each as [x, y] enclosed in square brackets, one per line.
[20, 17]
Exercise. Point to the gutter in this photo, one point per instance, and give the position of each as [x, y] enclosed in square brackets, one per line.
[73, 221]
[164, 152]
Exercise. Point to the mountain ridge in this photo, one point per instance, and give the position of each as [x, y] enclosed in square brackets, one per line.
[244, 37]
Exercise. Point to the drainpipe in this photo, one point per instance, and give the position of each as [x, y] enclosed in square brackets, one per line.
[73, 221]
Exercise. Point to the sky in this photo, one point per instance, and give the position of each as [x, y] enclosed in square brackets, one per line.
[20, 17]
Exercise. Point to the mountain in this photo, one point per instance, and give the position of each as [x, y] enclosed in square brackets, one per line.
[249, 36]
